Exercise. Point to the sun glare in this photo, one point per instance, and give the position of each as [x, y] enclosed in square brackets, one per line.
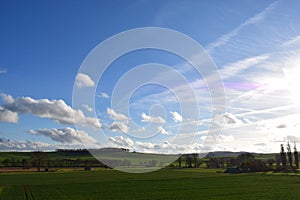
[292, 76]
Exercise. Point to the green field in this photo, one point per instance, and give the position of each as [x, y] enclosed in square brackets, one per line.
[162, 184]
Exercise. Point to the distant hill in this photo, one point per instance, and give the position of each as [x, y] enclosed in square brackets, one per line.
[235, 154]
[224, 154]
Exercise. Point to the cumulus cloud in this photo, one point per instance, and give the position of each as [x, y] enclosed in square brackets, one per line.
[145, 145]
[66, 135]
[7, 98]
[103, 95]
[164, 147]
[17, 145]
[142, 129]
[8, 116]
[176, 117]
[119, 126]
[163, 131]
[9, 145]
[260, 144]
[121, 141]
[147, 118]
[83, 80]
[228, 119]
[225, 138]
[115, 115]
[87, 107]
[56, 110]
[281, 126]
[292, 138]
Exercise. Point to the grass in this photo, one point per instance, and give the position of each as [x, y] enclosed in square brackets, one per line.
[162, 184]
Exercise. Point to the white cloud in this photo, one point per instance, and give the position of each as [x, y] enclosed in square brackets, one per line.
[147, 118]
[142, 129]
[56, 110]
[163, 131]
[87, 107]
[119, 126]
[3, 71]
[232, 69]
[7, 98]
[9, 145]
[83, 80]
[17, 145]
[293, 41]
[281, 126]
[176, 117]
[8, 116]
[253, 20]
[292, 138]
[66, 135]
[121, 141]
[115, 115]
[103, 95]
[224, 138]
[227, 120]
[167, 147]
[145, 145]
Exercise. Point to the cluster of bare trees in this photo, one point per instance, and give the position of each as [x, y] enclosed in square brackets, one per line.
[246, 162]
[287, 159]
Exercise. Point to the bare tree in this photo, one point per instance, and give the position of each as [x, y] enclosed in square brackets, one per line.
[278, 161]
[296, 156]
[289, 155]
[179, 161]
[195, 157]
[283, 156]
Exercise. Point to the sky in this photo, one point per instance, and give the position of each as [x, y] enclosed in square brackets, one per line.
[254, 45]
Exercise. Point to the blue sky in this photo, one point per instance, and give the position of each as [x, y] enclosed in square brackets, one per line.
[254, 44]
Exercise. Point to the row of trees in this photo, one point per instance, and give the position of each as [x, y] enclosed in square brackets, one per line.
[187, 160]
[246, 162]
[41, 160]
[287, 159]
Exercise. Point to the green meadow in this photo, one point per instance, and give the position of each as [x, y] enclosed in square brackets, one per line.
[162, 184]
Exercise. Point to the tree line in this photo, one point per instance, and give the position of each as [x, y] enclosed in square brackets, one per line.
[246, 162]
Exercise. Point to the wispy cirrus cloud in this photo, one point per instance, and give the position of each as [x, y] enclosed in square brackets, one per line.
[3, 71]
[239, 66]
[293, 41]
[253, 20]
